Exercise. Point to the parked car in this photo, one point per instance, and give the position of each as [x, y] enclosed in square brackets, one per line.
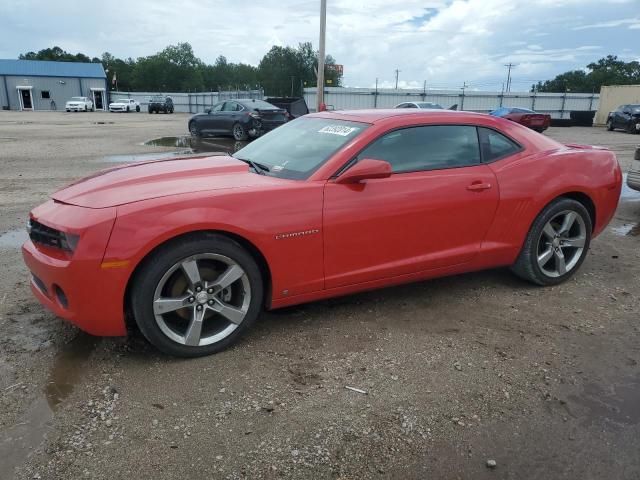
[160, 103]
[535, 121]
[633, 177]
[124, 105]
[626, 117]
[427, 105]
[328, 204]
[242, 119]
[79, 104]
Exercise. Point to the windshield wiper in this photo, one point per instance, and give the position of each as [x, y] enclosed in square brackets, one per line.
[258, 167]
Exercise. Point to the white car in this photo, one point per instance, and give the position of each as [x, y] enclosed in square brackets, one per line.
[79, 104]
[124, 105]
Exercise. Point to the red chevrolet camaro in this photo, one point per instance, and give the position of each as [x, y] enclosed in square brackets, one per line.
[192, 250]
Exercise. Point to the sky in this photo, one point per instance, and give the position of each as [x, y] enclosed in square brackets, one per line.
[442, 42]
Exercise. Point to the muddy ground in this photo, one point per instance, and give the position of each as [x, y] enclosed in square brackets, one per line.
[458, 371]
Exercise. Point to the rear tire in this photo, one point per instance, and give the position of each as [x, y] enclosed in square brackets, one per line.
[239, 132]
[193, 130]
[557, 243]
[218, 287]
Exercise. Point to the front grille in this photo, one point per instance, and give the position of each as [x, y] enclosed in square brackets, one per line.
[50, 237]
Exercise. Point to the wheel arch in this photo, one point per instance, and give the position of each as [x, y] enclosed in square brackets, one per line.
[253, 250]
[585, 200]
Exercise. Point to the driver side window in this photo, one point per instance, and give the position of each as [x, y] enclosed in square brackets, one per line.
[218, 107]
[426, 148]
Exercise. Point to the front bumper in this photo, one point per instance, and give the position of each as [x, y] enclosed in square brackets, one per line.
[117, 109]
[75, 108]
[75, 286]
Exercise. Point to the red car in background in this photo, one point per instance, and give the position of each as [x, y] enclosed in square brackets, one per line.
[192, 250]
[533, 120]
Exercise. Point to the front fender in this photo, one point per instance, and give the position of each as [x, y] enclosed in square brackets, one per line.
[259, 217]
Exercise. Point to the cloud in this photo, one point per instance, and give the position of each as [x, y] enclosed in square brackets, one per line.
[444, 42]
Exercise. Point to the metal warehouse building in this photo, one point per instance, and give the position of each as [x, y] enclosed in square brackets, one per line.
[44, 85]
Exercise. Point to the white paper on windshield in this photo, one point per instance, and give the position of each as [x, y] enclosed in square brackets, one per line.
[338, 130]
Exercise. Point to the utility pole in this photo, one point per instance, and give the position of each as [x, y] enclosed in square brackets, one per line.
[463, 87]
[397, 73]
[509, 67]
[321, 54]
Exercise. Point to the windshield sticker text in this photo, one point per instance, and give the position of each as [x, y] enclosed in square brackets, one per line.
[338, 130]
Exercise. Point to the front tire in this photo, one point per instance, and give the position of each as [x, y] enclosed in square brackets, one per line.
[609, 125]
[127, 109]
[239, 132]
[197, 296]
[556, 244]
[138, 108]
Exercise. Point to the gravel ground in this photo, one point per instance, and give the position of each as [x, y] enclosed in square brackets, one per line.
[474, 376]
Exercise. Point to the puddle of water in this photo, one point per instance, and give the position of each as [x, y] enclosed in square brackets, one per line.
[198, 144]
[187, 145]
[628, 229]
[628, 194]
[13, 239]
[619, 403]
[18, 442]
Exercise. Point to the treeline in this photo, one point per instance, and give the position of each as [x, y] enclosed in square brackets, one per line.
[281, 72]
[606, 71]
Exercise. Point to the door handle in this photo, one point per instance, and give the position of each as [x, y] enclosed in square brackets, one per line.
[479, 186]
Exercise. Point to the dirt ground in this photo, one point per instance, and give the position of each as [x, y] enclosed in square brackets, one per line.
[457, 371]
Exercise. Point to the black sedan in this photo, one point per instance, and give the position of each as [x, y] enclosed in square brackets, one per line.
[626, 117]
[240, 118]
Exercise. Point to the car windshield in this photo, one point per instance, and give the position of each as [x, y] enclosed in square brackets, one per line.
[157, 99]
[259, 104]
[428, 105]
[122, 100]
[77, 99]
[298, 148]
[635, 108]
[521, 110]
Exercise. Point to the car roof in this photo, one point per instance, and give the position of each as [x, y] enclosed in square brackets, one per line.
[377, 115]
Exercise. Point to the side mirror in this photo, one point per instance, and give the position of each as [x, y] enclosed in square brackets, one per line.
[207, 110]
[365, 169]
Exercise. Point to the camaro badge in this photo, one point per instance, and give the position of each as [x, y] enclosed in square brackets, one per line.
[282, 236]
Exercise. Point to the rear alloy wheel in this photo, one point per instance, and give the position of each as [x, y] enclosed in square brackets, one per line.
[239, 132]
[556, 244]
[197, 297]
[193, 130]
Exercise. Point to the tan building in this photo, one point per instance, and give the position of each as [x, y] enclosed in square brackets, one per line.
[612, 96]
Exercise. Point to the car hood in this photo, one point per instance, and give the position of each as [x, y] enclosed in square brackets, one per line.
[160, 178]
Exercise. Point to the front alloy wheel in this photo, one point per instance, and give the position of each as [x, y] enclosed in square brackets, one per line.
[556, 244]
[196, 297]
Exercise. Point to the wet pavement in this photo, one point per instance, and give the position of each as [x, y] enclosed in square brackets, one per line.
[186, 145]
[18, 442]
[13, 239]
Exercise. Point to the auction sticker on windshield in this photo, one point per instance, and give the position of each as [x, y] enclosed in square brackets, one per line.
[338, 130]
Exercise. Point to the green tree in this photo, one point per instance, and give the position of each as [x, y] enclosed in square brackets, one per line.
[606, 71]
[284, 70]
[57, 54]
